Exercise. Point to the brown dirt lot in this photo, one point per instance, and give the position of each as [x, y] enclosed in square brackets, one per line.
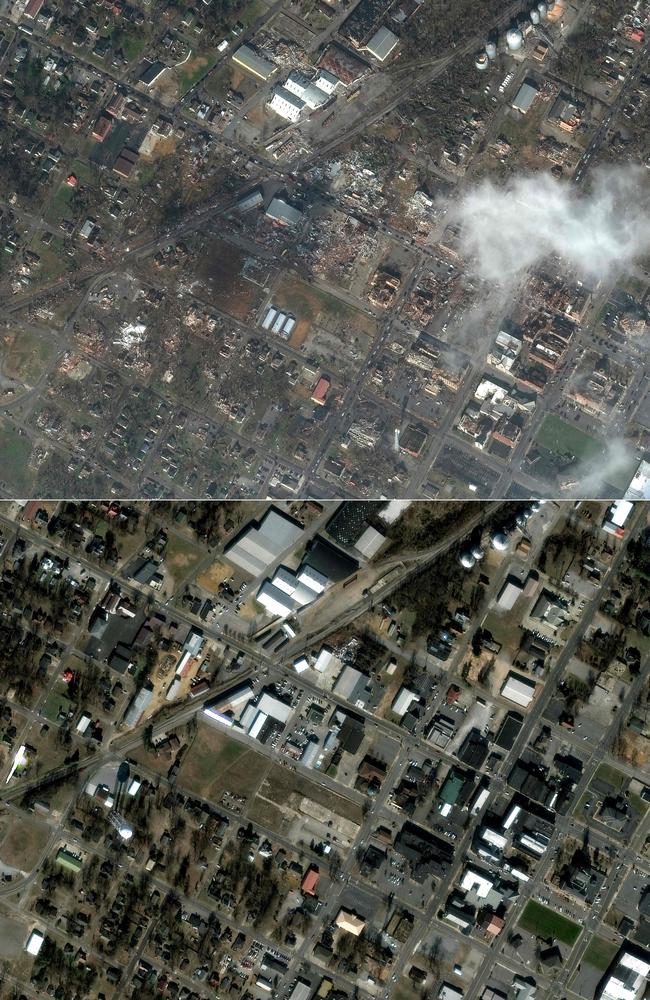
[280, 783]
[220, 267]
[214, 575]
[311, 306]
[23, 843]
[216, 763]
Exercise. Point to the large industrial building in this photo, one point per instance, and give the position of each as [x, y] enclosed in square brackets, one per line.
[281, 211]
[287, 591]
[525, 96]
[518, 689]
[253, 63]
[300, 91]
[627, 978]
[261, 543]
[382, 43]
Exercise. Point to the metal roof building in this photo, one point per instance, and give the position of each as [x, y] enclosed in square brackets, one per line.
[639, 488]
[350, 922]
[286, 104]
[253, 63]
[370, 542]
[525, 96]
[301, 991]
[382, 44]
[137, 707]
[280, 211]
[260, 544]
[34, 942]
[403, 701]
[510, 593]
[518, 689]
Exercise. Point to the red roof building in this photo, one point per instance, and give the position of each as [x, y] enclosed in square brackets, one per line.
[71, 179]
[319, 394]
[33, 8]
[310, 881]
[30, 509]
[453, 694]
[103, 125]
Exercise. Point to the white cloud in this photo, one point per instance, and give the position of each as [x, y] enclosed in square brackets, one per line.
[505, 230]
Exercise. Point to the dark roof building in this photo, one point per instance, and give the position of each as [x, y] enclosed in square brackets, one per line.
[426, 854]
[329, 560]
[509, 731]
[351, 519]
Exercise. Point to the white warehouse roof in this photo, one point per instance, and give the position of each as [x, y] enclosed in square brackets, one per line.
[34, 942]
[286, 104]
[253, 63]
[324, 658]
[525, 96]
[277, 709]
[518, 689]
[260, 544]
[277, 602]
[281, 211]
[382, 44]
[403, 701]
[475, 881]
[370, 542]
[510, 593]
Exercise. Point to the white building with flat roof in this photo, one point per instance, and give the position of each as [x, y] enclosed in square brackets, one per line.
[285, 104]
[34, 942]
[324, 659]
[518, 689]
[382, 43]
[403, 701]
[628, 978]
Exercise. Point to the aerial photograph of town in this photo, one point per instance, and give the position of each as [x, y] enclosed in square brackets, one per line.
[338, 249]
[349, 750]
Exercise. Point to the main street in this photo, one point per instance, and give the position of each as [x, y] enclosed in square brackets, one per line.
[541, 703]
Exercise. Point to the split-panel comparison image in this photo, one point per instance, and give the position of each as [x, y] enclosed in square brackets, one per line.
[304, 750]
[324, 482]
[328, 248]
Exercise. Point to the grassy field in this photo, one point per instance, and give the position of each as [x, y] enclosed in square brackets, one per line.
[191, 72]
[611, 776]
[132, 46]
[28, 356]
[16, 450]
[181, 556]
[23, 843]
[57, 701]
[214, 575]
[217, 763]
[281, 783]
[312, 305]
[599, 953]
[546, 923]
[563, 438]
[639, 805]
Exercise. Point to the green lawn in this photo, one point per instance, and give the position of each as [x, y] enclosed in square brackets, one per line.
[639, 805]
[56, 702]
[564, 439]
[546, 923]
[132, 46]
[559, 436]
[16, 450]
[599, 953]
[30, 352]
[611, 776]
[195, 68]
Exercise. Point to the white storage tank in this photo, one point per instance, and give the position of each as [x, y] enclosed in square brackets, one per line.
[514, 39]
